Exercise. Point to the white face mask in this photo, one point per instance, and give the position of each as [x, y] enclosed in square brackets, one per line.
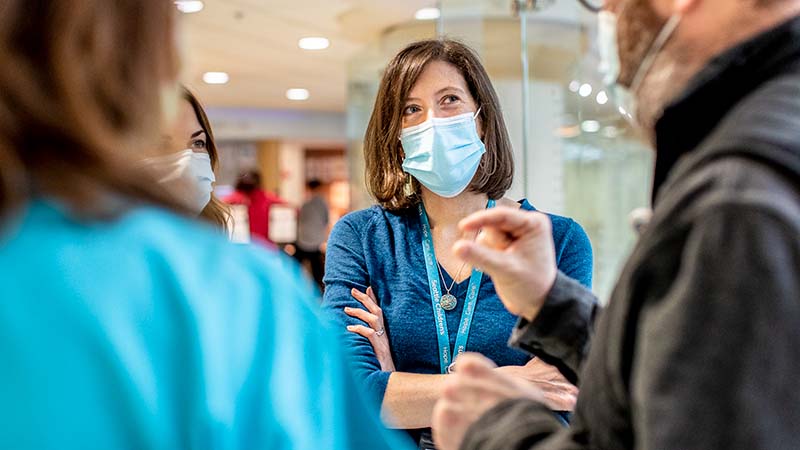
[608, 47]
[188, 174]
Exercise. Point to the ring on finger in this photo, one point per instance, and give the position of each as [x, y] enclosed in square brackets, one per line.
[380, 332]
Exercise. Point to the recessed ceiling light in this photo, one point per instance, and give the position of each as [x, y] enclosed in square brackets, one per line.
[427, 14]
[297, 94]
[314, 43]
[216, 77]
[574, 85]
[189, 6]
[585, 90]
[602, 98]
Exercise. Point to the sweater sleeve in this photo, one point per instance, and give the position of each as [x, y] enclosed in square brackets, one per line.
[561, 333]
[347, 269]
[573, 250]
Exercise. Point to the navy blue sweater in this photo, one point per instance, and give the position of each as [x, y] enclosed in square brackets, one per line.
[382, 249]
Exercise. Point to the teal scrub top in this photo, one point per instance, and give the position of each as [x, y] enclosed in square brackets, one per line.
[152, 332]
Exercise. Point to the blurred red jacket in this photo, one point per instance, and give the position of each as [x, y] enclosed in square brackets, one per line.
[258, 203]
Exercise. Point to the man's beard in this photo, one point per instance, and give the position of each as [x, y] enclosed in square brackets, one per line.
[639, 25]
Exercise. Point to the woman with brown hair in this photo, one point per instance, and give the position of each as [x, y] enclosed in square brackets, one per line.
[123, 323]
[436, 150]
[191, 171]
[215, 210]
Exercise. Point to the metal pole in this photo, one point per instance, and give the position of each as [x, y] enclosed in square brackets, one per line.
[526, 103]
[439, 21]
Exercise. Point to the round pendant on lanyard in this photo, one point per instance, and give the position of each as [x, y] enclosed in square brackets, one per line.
[448, 302]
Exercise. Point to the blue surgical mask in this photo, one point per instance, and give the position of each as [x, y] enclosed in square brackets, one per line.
[608, 48]
[443, 153]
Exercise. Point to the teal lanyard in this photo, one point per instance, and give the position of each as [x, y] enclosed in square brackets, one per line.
[436, 295]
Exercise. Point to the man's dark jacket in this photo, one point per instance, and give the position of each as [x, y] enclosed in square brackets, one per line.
[699, 347]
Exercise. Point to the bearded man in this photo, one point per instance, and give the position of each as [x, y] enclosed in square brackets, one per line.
[699, 347]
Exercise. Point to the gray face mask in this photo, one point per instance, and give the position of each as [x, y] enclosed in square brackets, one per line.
[610, 62]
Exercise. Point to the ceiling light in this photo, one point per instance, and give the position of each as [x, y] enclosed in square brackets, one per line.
[602, 98]
[297, 94]
[216, 77]
[574, 85]
[427, 14]
[189, 6]
[590, 126]
[585, 90]
[313, 43]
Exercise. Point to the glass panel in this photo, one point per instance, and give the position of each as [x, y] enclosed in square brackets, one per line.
[607, 166]
[581, 159]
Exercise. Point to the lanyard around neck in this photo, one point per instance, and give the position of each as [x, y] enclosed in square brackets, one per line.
[443, 335]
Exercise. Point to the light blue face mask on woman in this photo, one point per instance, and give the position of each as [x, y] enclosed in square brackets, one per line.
[443, 153]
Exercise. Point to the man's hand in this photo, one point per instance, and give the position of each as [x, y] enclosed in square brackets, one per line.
[476, 387]
[516, 249]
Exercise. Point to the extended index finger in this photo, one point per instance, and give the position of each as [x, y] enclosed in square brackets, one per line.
[512, 221]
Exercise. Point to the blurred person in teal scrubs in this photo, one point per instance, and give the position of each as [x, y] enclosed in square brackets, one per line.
[124, 322]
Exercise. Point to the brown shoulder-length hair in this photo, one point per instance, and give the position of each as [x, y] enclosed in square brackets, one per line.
[80, 94]
[216, 211]
[382, 149]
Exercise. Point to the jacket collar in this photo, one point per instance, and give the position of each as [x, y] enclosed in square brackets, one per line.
[723, 83]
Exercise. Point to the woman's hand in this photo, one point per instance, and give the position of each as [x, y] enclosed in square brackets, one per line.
[559, 394]
[376, 331]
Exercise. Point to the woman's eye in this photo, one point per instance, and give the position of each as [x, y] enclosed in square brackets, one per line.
[411, 110]
[450, 99]
[200, 144]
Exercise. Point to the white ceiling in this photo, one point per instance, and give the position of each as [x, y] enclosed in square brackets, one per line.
[255, 41]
